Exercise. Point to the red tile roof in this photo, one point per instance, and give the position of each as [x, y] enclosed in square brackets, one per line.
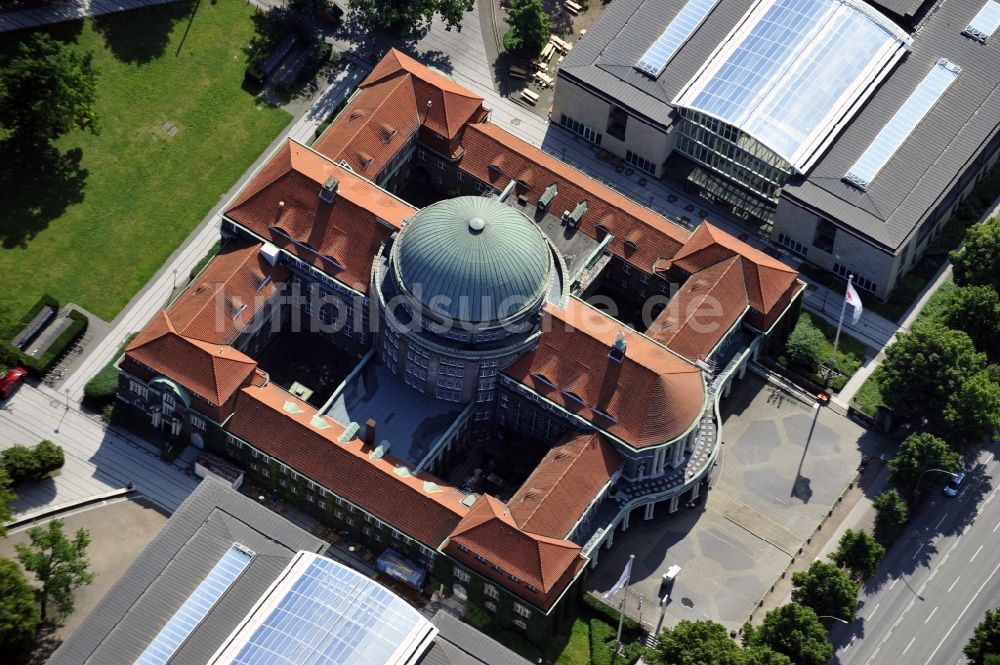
[653, 396]
[282, 203]
[564, 484]
[391, 105]
[213, 371]
[705, 308]
[263, 419]
[237, 276]
[548, 564]
[494, 156]
[767, 279]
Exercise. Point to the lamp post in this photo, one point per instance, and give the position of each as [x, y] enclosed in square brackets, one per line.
[175, 279]
[916, 487]
[827, 616]
[66, 392]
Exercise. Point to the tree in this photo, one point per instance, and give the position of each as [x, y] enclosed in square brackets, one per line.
[6, 500]
[978, 262]
[48, 456]
[859, 552]
[46, 90]
[975, 310]
[805, 344]
[891, 516]
[59, 564]
[795, 631]
[985, 640]
[827, 589]
[925, 367]
[694, 642]
[973, 411]
[530, 27]
[20, 464]
[761, 655]
[19, 615]
[919, 453]
[407, 17]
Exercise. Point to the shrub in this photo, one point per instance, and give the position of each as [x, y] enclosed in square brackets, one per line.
[49, 456]
[25, 464]
[804, 347]
[609, 614]
[101, 389]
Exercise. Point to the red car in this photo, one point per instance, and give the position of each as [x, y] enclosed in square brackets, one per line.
[13, 378]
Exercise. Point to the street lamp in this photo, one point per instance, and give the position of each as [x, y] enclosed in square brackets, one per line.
[66, 390]
[827, 616]
[175, 279]
[916, 487]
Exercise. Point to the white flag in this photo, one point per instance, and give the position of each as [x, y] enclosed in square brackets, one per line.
[854, 301]
[622, 581]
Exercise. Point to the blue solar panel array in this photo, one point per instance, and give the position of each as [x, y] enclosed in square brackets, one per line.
[331, 615]
[984, 23]
[655, 59]
[898, 129]
[197, 606]
[796, 64]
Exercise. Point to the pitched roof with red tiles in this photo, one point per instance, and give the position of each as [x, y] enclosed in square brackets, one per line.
[703, 311]
[284, 427]
[398, 97]
[564, 484]
[213, 371]
[281, 204]
[548, 564]
[641, 236]
[767, 279]
[210, 309]
[652, 396]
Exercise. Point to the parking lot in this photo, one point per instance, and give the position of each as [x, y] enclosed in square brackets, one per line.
[783, 465]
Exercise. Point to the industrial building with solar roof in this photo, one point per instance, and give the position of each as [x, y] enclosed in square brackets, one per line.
[846, 131]
[435, 383]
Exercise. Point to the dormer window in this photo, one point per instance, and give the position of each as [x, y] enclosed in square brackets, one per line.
[603, 231]
[543, 379]
[605, 415]
[264, 282]
[572, 396]
[630, 246]
[280, 231]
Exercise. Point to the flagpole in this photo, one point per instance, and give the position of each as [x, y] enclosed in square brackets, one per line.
[840, 324]
[621, 608]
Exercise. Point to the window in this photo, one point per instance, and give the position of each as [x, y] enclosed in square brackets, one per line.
[461, 575]
[197, 422]
[522, 610]
[640, 162]
[513, 578]
[531, 588]
[793, 245]
[421, 154]
[520, 624]
[463, 548]
[497, 568]
[490, 591]
[440, 165]
[826, 234]
[490, 605]
[617, 121]
[480, 558]
[579, 128]
[861, 282]
[139, 389]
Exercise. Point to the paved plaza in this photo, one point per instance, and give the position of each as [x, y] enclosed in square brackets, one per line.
[781, 469]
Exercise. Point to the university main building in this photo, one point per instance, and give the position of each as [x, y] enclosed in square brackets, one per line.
[436, 380]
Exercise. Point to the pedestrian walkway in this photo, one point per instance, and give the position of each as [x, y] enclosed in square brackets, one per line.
[57, 12]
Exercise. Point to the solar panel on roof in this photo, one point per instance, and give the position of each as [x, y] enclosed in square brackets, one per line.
[196, 607]
[985, 23]
[901, 125]
[654, 60]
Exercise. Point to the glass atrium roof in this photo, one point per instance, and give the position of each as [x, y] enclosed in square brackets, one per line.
[985, 22]
[654, 60]
[320, 612]
[793, 71]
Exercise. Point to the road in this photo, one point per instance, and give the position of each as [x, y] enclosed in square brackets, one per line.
[98, 459]
[935, 584]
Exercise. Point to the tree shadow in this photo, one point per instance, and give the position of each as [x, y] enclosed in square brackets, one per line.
[38, 183]
[138, 40]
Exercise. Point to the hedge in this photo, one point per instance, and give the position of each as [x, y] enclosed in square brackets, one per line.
[203, 261]
[10, 355]
[24, 464]
[602, 645]
[100, 390]
[610, 614]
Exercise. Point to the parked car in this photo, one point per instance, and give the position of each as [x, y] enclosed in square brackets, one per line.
[14, 377]
[954, 485]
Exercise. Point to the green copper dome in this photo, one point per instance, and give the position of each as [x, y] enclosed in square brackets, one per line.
[472, 259]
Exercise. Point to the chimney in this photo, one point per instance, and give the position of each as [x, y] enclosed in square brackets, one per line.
[329, 190]
[370, 433]
[617, 352]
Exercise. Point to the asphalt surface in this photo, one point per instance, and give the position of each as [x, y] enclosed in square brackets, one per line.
[936, 583]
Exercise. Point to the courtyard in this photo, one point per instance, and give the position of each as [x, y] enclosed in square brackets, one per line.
[308, 360]
[782, 467]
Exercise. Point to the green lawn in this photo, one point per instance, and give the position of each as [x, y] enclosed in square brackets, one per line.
[577, 649]
[93, 224]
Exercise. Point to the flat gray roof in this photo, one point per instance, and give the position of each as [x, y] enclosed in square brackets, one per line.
[459, 643]
[940, 148]
[172, 566]
[410, 421]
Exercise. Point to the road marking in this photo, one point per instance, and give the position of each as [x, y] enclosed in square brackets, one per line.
[945, 557]
[918, 550]
[910, 644]
[894, 582]
[954, 583]
[931, 614]
[941, 520]
[976, 554]
[874, 609]
[996, 527]
[964, 610]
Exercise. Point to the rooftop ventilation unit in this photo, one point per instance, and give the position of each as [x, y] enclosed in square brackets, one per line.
[328, 192]
[547, 196]
[617, 352]
[270, 253]
[572, 219]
